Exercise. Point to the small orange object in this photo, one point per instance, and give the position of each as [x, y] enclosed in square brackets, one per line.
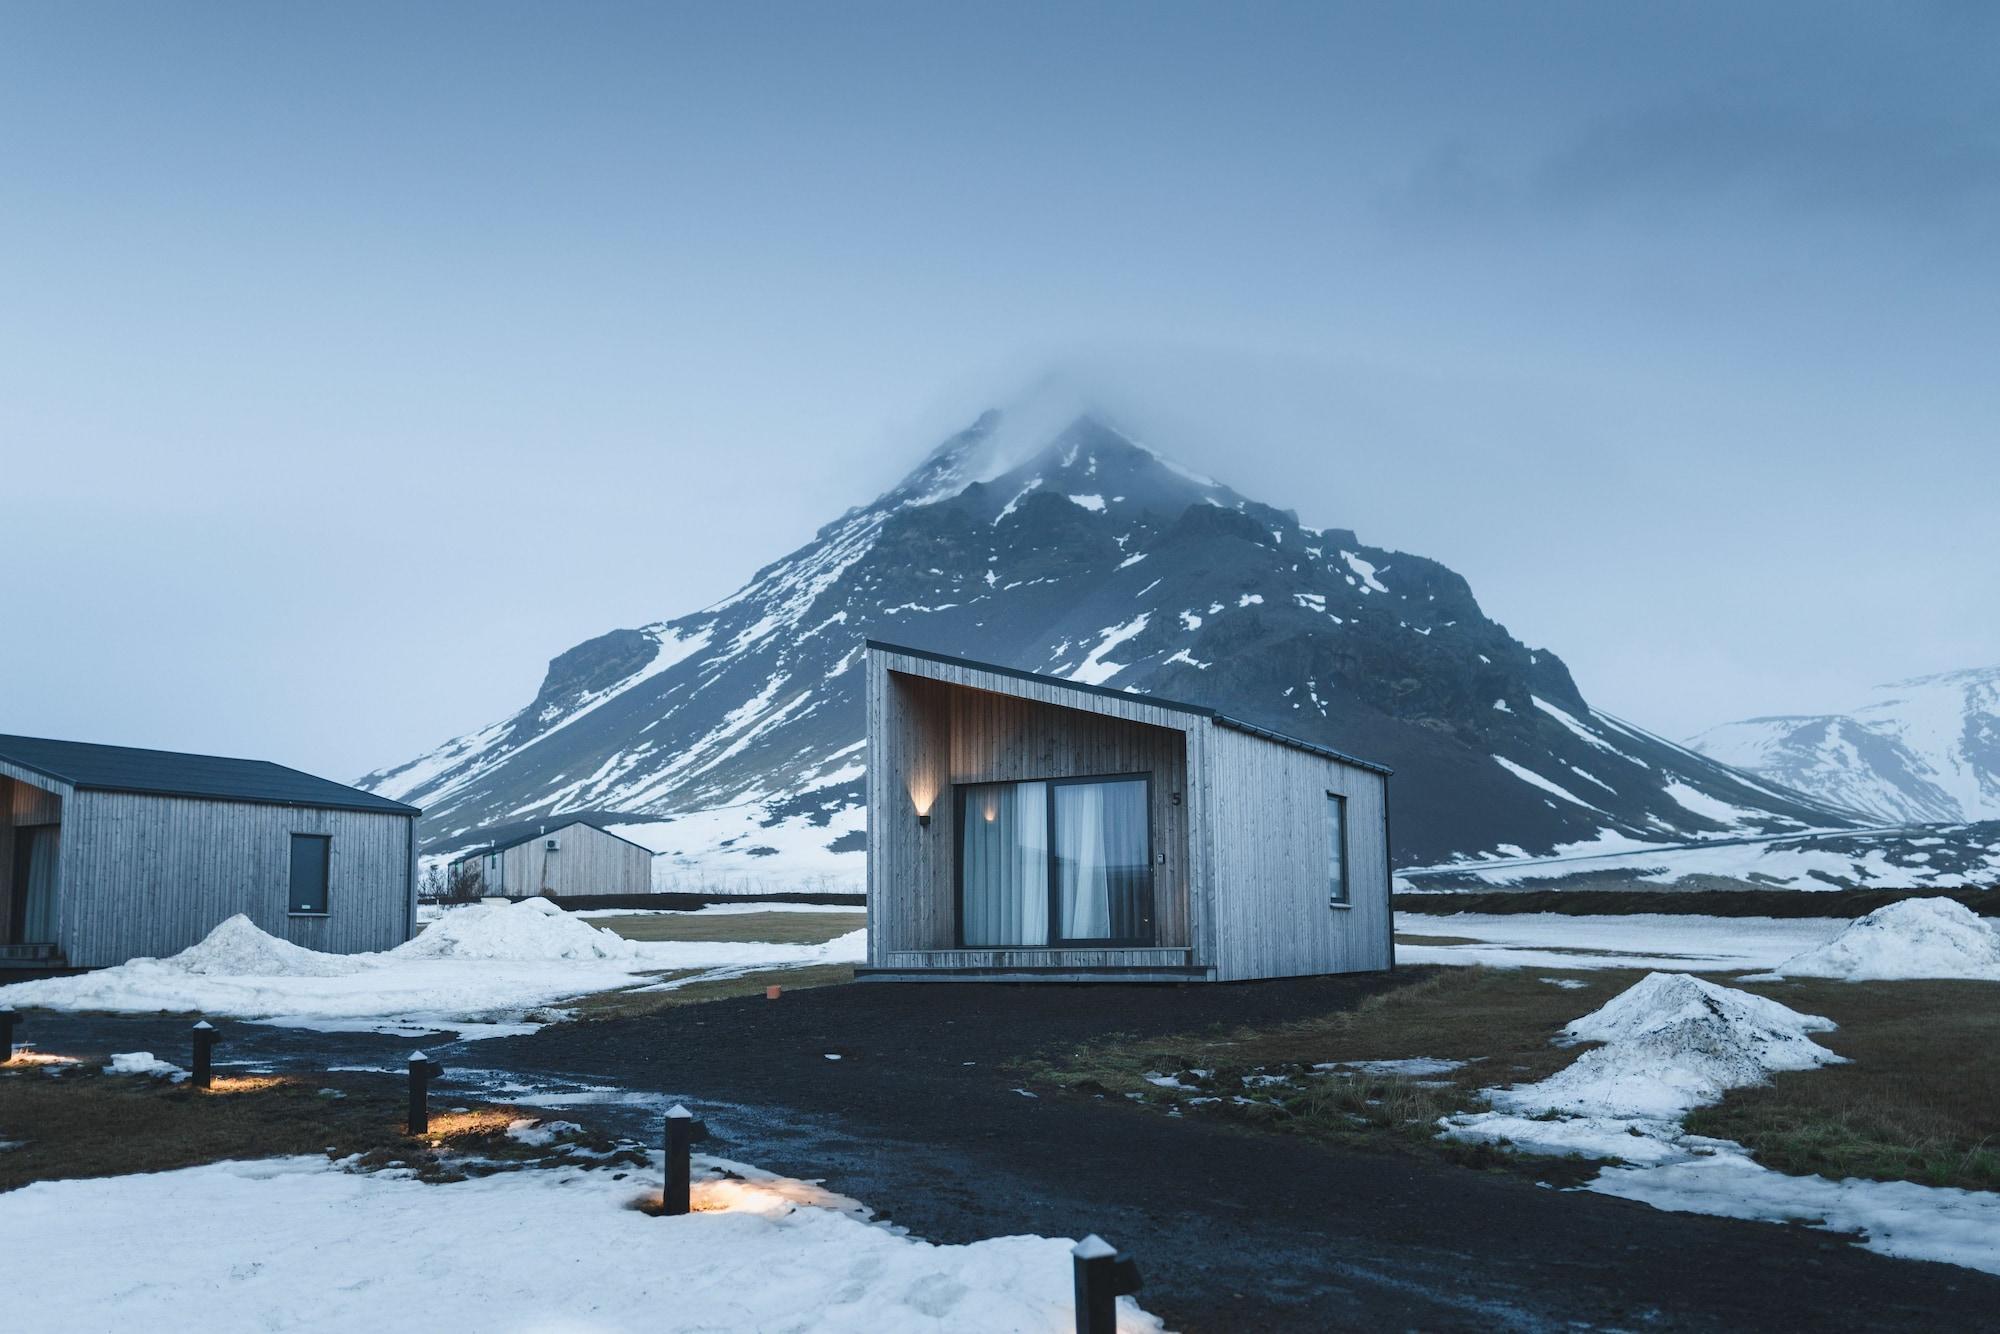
[771, 993]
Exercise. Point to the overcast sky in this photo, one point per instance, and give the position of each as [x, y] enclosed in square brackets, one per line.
[355, 360]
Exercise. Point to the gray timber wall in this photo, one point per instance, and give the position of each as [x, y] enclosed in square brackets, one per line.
[151, 875]
[589, 861]
[1269, 861]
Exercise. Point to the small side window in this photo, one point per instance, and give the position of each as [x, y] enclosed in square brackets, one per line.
[1336, 838]
[310, 856]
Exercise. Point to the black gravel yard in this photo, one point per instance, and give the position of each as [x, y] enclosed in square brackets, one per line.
[922, 1118]
[925, 1117]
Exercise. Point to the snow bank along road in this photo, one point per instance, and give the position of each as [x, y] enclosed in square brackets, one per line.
[475, 968]
[297, 1243]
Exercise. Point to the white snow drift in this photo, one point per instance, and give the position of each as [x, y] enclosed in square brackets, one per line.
[1673, 1043]
[297, 1243]
[479, 965]
[1916, 938]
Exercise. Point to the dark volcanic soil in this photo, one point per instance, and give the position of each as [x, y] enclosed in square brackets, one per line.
[1233, 1230]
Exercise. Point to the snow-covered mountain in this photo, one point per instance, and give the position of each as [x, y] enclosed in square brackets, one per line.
[1927, 749]
[731, 738]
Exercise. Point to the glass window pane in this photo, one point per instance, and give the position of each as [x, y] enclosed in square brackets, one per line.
[1004, 863]
[309, 856]
[1336, 825]
[1104, 861]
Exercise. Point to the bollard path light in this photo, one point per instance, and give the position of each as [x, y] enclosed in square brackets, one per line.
[203, 1074]
[8, 1018]
[422, 1071]
[682, 1131]
[1103, 1275]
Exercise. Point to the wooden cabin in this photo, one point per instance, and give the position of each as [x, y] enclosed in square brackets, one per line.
[108, 853]
[1026, 827]
[554, 860]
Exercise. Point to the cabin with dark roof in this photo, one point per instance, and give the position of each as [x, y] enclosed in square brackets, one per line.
[108, 853]
[1025, 827]
[554, 859]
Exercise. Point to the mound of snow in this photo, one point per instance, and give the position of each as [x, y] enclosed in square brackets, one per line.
[239, 948]
[142, 1063]
[1914, 938]
[532, 929]
[1672, 1042]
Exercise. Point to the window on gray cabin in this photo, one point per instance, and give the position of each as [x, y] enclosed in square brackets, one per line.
[1336, 839]
[310, 856]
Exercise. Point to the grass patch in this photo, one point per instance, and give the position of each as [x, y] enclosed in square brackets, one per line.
[1500, 1021]
[633, 1003]
[784, 928]
[1919, 1102]
[86, 1124]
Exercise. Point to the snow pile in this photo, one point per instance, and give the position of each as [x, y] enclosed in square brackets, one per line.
[238, 948]
[339, 1250]
[1671, 1043]
[1914, 938]
[143, 1063]
[531, 929]
[486, 970]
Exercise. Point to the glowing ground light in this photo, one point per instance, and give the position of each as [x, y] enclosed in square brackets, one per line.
[23, 1058]
[244, 1083]
[451, 1125]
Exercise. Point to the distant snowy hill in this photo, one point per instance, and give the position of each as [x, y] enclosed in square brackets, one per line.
[1925, 856]
[1921, 750]
[731, 738]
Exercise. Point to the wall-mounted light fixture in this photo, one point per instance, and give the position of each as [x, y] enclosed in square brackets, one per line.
[922, 797]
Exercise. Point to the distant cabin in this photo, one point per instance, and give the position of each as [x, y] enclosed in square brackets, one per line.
[556, 861]
[1024, 827]
[109, 852]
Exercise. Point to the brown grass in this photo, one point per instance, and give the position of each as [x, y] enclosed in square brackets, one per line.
[786, 928]
[86, 1124]
[1500, 1021]
[1919, 1102]
[632, 1003]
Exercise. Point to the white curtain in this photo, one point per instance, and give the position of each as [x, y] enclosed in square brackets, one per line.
[1103, 860]
[1005, 846]
[36, 854]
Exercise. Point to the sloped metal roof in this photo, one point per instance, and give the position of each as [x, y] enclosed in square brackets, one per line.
[167, 773]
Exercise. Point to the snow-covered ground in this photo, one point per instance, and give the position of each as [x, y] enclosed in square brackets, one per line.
[1671, 1043]
[1679, 942]
[483, 970]
[1901, 857]
[300, 1243]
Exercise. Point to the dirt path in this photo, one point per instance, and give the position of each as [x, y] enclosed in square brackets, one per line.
[1234, 1231]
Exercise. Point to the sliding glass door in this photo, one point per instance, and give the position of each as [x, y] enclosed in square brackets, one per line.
[1069, 861]
[1003, 831]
